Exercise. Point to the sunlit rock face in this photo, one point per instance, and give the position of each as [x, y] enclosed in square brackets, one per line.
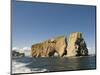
[52, 47]
[76, 45]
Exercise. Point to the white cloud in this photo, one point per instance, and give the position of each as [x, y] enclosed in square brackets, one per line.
[91, 50]
[15, 48]
[26, 48]
[21, 49]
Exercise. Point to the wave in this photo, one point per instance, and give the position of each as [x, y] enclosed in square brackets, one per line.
[18, 67]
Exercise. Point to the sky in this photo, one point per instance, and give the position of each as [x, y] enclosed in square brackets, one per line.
[35, 22]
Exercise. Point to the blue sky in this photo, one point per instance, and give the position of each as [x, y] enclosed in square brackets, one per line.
[36, 22]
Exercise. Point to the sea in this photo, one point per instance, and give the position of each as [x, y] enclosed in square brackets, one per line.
[26, 65]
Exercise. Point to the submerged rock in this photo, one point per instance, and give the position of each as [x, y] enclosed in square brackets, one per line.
[50, 47]
[76, 45]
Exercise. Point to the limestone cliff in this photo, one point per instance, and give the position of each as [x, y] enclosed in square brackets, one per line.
[76, 45]
[50, 47]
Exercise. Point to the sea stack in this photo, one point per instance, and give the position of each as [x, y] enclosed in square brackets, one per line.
[76, 45]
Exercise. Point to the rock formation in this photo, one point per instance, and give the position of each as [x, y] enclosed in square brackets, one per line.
[76, 45]
[50, 47]
[58, 47]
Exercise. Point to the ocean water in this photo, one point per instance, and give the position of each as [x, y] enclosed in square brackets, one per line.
[52, 64]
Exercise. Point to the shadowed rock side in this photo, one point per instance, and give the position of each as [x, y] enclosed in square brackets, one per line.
[76, 45]
[50, 47]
